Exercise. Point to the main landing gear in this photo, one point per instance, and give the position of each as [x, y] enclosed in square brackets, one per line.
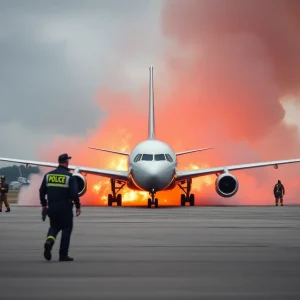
[187, 197]
[115, 197]
[152, 200]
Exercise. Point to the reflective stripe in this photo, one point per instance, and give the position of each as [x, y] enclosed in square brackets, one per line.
[57, 185]
[51, 237]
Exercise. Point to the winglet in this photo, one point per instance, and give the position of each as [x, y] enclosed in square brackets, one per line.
[111, 151]
[151, 121]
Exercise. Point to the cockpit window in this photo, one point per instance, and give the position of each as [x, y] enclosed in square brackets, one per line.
[169, 158]
[137, 158]
[158, 157]
[148, 157]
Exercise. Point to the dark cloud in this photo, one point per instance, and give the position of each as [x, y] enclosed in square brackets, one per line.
[39, 87]
[54, 55]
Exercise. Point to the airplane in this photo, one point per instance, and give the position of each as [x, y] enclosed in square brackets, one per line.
[21, 179]
[19, 183]
[152, 167]
[15, 185]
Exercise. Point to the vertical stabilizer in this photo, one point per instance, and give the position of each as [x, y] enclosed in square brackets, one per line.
[151, 124]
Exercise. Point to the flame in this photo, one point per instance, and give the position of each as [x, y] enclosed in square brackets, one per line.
[103, 188]
[201, 182]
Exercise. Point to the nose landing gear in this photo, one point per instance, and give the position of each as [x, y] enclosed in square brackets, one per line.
[152, 200]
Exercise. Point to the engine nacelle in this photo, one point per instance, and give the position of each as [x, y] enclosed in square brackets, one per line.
[226, 185]
[82, 183]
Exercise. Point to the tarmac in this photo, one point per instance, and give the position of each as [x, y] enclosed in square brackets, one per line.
[165, 253]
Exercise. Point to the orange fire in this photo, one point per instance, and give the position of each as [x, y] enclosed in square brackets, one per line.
[129, 197]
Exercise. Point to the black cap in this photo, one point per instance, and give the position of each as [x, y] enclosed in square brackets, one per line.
[64, 158]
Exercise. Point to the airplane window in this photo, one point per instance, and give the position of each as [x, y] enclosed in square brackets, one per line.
[169, 158]
[148, 157]
[158, 157]
[137, 158]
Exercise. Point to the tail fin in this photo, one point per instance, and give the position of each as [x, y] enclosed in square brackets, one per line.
[151, 121]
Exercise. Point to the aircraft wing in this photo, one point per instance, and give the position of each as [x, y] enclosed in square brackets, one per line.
[184, 175]
[114, 174]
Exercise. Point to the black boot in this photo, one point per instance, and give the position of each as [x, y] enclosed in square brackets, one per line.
[8, 209]
[48, 247]
[66, 258]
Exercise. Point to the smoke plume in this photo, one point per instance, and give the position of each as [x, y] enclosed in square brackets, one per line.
[232, 62]
[229, 65]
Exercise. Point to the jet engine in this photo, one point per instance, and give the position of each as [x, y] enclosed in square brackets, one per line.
[226, 185]
[82, 184]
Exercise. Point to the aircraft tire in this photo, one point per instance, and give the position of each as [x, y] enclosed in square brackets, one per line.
[119, 200]
[192, 200]
[109, 199]
[182, 200]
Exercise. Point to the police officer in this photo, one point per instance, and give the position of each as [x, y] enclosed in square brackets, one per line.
[279, 192]
[62, 192]
[3, 194]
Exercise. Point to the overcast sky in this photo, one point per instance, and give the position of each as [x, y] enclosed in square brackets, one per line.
[54, 55]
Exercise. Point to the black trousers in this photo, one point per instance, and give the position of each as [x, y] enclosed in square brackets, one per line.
[277, 197]
[61, 219]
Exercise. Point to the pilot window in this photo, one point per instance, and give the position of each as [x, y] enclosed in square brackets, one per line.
[169, 158]
[148, 157]
[158, 157]
[137, 158]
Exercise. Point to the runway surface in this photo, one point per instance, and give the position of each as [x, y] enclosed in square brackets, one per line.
[165, 253]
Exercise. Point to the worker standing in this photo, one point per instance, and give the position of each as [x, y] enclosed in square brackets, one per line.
[279, 192]
[62, 193]
[3, 194]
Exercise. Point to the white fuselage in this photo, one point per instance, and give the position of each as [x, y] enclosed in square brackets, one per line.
[153, 166]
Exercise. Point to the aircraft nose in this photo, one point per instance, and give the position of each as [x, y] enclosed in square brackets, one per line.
[158, 177]
[152, 176]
